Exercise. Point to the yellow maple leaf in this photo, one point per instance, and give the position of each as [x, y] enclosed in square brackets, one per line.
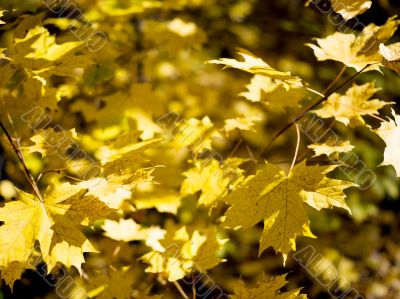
[51, 142]
[126, 7]
[134, 103]
[212, 178]
[122, 160]
[128, 230]
[349, 108]
[278, 199]
[36, 95]
[266, 288]
[184, 250]
[273, 94]
[350, 8]
[241, 123]
[111, 193]
[53, 222]
[1, 14]
[116, 284]
[39, 55]
[389, 131]
[356, 50]
[257, 66]
[391, 56]
[13, 271]
[194, 134]
[164, 201]
[330, 147]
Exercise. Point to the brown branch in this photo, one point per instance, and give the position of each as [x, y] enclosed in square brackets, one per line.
[21, 159]
[180, 290]
[308, 109]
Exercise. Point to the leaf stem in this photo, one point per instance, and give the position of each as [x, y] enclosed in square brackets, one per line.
[236, 147]
[314, 91]
[297, 148]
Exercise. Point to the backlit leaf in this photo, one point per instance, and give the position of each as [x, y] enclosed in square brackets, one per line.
[391, 56]
[356, 50]
[350, 8]
[257, 66]
[278, 199]
[389, 131]
[266, 288]
[349, 108]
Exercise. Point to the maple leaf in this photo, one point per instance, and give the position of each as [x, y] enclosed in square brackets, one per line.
[184, 250]
[122, 160]
[273, 94]
[39, 55]
[389, 131]
[212, 178]
[349, 108]
[112, 194]
[241, 123]
[31, 91]
[266, 288]
[193, 134]
[54, 223]
[126, 8]
[330, 146]
[356, 50]
[36, 95]
[164, 201]
[391, 56]
[13, 271]
[128, 230]
[133, 103]
[1, 14]
[350, 8]
[279, 199]
[50, 142]
[115, 284]
[257, 66]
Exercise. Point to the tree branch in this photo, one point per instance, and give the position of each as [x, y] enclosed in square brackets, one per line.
[27, 173]
[308, 109]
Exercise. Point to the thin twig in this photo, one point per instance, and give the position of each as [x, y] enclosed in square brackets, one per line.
[250, 152]
[20, 156]
[177, 285]
[339, 75]
[194, 287]
[237, 145]
[297, 148]
[309, 108]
